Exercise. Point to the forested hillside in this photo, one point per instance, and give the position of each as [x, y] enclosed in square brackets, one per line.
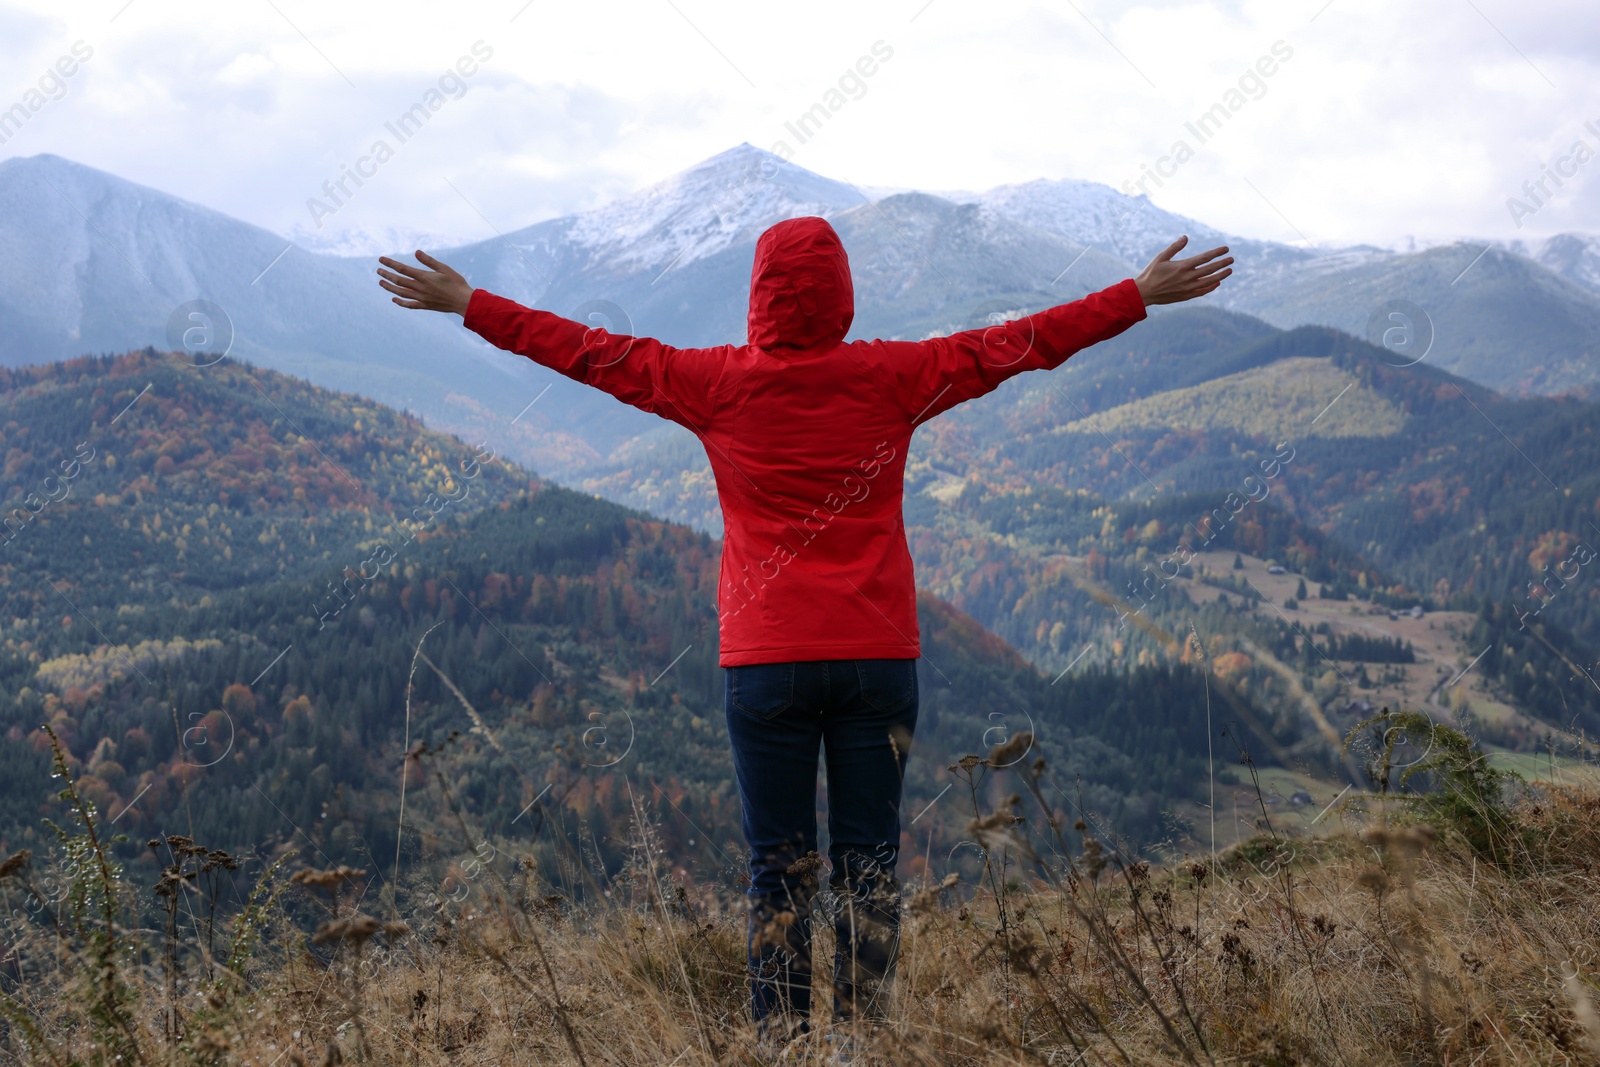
[256, 613]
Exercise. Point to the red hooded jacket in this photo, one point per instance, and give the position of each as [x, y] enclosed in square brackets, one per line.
[807, 435]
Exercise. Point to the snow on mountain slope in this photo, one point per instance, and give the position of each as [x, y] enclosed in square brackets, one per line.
[1127, 227]
[97, 263]
[1134, 229]
[1574, 256]
[94, 263]
[712, 206]
[367, 245]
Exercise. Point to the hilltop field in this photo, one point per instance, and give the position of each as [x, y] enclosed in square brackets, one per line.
[1452, 926]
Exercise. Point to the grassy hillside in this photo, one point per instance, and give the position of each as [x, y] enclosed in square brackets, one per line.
[1468, 500]
[1289, 398]
[1445, 920]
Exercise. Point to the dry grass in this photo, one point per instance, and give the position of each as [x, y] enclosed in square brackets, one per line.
[1387, 942]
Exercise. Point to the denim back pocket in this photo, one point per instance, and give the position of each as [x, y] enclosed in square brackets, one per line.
[765, 690]
[887, 684]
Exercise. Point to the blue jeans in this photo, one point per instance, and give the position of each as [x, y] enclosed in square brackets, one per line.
[861, 714]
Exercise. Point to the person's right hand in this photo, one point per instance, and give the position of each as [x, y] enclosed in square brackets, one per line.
[1172, 281]
[440, 288]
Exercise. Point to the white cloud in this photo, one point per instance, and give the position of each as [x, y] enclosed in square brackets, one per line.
[1389, 120]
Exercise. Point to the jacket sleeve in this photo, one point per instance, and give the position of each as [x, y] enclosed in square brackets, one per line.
[935, 375]
[676, 383]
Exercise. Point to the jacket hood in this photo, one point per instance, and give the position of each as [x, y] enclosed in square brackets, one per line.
[801, 295]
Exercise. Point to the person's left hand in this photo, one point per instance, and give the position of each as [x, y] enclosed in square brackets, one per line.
[440, 288]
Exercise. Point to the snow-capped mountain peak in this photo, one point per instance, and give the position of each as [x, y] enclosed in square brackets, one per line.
[1094, 214]
[709, 207]
[1572, 255]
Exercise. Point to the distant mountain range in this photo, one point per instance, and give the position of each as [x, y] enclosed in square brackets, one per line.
[96, 263]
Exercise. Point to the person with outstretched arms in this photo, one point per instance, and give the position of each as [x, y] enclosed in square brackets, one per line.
[807, 436]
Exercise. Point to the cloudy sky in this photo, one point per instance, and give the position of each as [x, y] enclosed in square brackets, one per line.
[1385, 121]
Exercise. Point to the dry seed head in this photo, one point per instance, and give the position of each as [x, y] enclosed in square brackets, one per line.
[329, 880]
[1094, 861]
[218, 858]
[995, 820]
[900, 739]
[1413, 839]
[212, 1044]
[926, 900]
[184, 846]
[1373, 878]
[810, 863]
[358, 929]
[774, 931]
[994, 830]
[173, 879]
[1583, 1010]
[15, 863]
[1009, 752]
